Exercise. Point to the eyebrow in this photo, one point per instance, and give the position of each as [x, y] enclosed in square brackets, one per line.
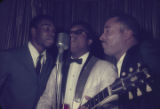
[106, 26]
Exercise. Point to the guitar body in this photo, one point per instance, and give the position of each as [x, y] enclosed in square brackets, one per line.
[141, 78]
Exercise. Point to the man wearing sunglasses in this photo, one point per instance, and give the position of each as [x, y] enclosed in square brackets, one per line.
[83, 74]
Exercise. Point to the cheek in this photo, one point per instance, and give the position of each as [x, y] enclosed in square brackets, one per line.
[40, 35]
[84, 43]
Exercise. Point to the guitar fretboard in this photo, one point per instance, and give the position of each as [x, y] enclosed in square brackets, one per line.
[98, 98]
[130, 82]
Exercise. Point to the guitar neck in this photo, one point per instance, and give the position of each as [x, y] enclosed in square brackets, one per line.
[104, 94]
[121, 85]
[97, 99]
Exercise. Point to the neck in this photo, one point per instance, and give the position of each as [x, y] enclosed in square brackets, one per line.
[125, 49]
[39, 48]
[77, 55]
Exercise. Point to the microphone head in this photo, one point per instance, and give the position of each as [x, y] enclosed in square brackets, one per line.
[63, 41]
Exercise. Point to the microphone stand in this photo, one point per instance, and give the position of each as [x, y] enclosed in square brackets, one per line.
[59, 78]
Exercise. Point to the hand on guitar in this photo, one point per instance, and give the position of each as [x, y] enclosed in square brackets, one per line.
[84, 107]
[137, 80]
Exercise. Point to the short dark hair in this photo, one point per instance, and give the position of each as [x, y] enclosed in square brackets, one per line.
[37, 19]
[86, 26]
[130, 22]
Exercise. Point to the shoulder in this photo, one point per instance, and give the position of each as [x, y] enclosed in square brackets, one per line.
[14, 50]
[104, 63]
[104, 67]
[12, 53]
[151, 47]
[150, 52]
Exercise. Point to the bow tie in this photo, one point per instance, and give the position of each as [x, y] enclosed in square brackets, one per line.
[79, 61]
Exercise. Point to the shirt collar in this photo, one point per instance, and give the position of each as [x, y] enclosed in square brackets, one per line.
[119, 63]
[34, 53]
[83, 57]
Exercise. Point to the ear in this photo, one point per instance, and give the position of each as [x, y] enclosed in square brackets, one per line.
[33, 32]
[128, 34]
[90, 42]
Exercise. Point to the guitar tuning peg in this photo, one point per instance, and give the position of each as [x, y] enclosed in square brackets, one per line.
[130, 69]
[133, 85]
[148, 75]
[138, 65]
[130, 95]
[123, 73]
[148, 88]
[145, 70]
[134, 78]
[142, 81]
[139, 93]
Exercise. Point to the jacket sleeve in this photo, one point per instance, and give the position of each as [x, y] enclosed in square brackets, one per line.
[150, 52]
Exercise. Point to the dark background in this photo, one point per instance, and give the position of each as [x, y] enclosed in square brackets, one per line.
[15, 16]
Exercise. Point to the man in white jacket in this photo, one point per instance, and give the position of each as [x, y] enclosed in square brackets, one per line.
[100, 75]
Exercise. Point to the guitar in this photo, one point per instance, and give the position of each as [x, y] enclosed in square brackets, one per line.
[135, 80]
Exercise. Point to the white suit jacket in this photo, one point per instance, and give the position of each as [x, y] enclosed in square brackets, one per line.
[101, 76]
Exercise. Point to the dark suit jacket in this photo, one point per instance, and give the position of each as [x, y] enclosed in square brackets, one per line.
[20, 86]
[149, 57]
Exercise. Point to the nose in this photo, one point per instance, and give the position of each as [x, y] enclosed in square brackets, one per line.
[51, 34]
[73, 37]
[101, 37]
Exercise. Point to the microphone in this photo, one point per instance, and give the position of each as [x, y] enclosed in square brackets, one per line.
[63, 42]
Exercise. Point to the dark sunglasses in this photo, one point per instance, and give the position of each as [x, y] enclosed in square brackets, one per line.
[77, 32]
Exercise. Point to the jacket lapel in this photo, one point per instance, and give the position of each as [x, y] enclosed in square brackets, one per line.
[27, 59]
[131, 59]
[48, 65]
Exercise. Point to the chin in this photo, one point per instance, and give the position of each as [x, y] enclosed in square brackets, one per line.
[107, 53]
[48, 45]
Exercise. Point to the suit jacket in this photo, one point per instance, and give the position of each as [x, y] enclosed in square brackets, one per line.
[102, 75]
[149, 58]
[20, 86]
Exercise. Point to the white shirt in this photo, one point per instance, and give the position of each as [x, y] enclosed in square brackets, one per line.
[119, 64]
[34, 54]
[72, 79]
[101, 76]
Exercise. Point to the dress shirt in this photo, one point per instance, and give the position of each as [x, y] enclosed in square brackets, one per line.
[34, 54]
[119, 64]
[72, 79]
[101, 76]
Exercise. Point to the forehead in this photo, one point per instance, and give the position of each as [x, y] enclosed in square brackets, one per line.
[76, 27]
[46, 22]
[112, 22]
